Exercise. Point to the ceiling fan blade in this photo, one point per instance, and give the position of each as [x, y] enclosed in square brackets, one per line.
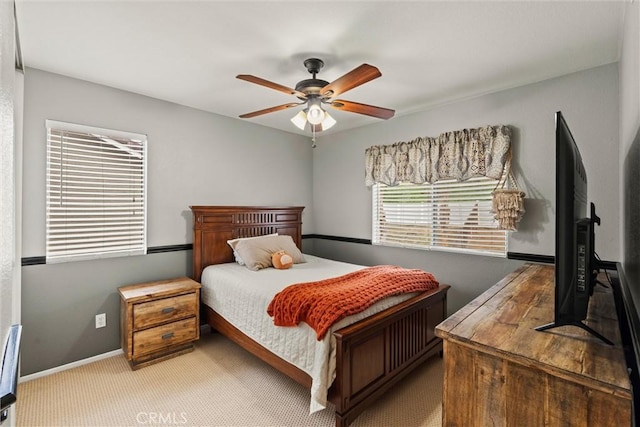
[270, 110]
[271, 85]
[367, 110]
[353, 78]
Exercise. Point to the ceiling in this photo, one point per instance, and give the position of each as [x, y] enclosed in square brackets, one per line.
[429, 53]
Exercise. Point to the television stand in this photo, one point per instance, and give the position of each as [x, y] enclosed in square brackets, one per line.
[575, 323]
[499, 371]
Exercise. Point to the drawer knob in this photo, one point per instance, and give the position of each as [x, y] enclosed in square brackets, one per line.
[167, 336]
[167, 310]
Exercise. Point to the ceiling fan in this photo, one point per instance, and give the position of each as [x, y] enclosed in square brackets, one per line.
[316, 92]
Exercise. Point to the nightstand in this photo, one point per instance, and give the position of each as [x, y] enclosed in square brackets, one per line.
[159, 320]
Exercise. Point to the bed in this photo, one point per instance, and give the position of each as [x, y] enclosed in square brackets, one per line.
[371, 355]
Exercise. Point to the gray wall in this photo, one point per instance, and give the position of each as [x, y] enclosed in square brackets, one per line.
[195, 158]
[10, 104]
[630, 149]
[7, 176]
[468, 275]
[589, 101]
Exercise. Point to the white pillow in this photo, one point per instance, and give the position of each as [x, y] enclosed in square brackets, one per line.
[234, 242]
[257, 253]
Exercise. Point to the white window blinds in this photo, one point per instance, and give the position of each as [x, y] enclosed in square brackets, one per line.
[448, 215]
[96, 192]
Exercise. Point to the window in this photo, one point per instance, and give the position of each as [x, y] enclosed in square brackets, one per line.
[96, 192]
[448, 215]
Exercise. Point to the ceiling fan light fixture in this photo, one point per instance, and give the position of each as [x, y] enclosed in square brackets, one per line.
[316, 114]
[300, 120]
[328, 121]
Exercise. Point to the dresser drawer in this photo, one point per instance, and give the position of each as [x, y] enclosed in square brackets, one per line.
[159, 320]
[164, 310]
[160, 337]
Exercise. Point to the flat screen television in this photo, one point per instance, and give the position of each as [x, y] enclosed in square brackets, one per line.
[576, 264]
[9, 370]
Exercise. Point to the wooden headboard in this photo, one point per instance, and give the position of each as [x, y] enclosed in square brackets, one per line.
[214, 225]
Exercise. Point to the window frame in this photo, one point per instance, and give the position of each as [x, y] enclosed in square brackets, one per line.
[427, 219]
[59, 232]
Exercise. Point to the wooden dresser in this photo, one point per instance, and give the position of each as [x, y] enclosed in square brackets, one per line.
[499, 371]
[159, 320]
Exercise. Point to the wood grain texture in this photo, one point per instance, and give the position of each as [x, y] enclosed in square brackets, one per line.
[159, 289]
[352, 79]
[164, 336]
[159, 319]
[270, 110]
[366, 109]
[458, 369]
[214, 225]
[266, 83]
[164, 310]
[500, 371]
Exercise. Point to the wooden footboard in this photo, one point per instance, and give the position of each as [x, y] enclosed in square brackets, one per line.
[371, 355]
[375, 353]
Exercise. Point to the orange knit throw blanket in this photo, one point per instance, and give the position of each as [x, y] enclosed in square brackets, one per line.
[321, 304]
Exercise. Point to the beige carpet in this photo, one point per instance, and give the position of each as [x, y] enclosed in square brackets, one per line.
[218, 384]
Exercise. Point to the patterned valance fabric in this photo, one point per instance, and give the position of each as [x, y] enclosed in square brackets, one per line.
[456, 155]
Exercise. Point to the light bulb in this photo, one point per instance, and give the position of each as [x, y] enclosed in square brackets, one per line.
[315, 115]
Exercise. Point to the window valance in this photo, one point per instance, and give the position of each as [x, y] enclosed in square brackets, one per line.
[459, 155]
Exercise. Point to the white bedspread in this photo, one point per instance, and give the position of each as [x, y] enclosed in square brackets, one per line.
[241, 297]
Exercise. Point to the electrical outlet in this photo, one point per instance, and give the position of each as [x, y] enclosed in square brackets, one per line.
[101, 320]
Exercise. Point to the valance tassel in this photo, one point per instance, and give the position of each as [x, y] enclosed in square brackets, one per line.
[508, 206]
[508, 200]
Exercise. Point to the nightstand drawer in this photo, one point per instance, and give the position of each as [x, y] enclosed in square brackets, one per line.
[159, 320]
[154, 339]
[164, 310]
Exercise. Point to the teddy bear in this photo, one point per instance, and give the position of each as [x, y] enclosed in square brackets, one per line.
[281, 260]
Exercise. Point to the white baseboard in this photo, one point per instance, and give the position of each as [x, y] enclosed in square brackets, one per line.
[70, 365]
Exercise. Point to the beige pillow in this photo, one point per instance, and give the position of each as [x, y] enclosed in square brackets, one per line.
[234, 242]
[256, 253]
